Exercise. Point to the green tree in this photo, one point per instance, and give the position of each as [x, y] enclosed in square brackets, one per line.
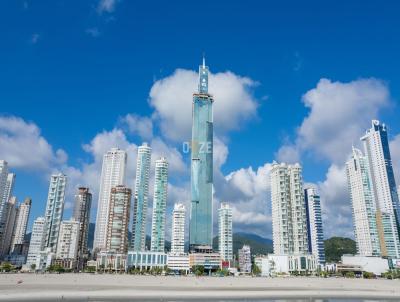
[256, 271]
[198, 270]
[7, 267]
[368, 275]
[350, 275]
[33, 267]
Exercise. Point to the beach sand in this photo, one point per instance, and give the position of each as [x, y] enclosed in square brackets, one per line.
[98, 287]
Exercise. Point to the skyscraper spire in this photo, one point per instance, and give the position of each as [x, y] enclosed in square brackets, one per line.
[203, 77]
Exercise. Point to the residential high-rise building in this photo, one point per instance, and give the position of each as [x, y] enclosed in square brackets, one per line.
[10, 212]
[9, 188]
[225, 241]
[363, 205]
[159, 206]
[21, 223]
[37, 242]
[178, 229]
[200, 230]
[141, 196]
[118, 220]
[81, 213]
[54, 210]
[112, 175]
[289, 219]
[314, 225]
[5, 194]
[244, 255]
[376, 147]
[68, 241]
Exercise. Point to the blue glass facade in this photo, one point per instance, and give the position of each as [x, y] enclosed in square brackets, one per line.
[141, 197]
[314, 225]
[200, 232]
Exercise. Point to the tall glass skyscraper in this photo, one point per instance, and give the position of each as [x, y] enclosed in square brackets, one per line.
[314, 225]
[384, 189]
[54, 210]
[200, 232]
[141, 195]
[363, 205]
[159, 205]
[81, 213]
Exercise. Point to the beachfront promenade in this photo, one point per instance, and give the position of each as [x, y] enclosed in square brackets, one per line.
[85, 287]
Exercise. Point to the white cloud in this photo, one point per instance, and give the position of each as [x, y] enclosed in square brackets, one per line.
[339, 114]
[171, 98]
[335, 203]
[248, 191]
[107, 6]
[138, 125]
[23, 146]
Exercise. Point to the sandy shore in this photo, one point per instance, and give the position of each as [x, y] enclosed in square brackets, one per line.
[84, 287]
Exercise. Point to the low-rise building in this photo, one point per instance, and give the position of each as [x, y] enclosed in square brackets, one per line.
[108, 261]
[146, 260]
[66, 263]
[376, 265]
[178, 262]
[245, 259]
[285, 264]
[206, 257]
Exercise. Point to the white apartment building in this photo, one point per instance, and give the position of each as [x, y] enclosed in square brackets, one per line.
[376, 148]
[112, 175]
[141, 196]
[5, 194]
[67, 247]
[178, 229]
[363, 205]
[159, 206]
[21, 223]
[225, 240]
[10, 212]
[244, 255]
[37, 241]
[289, 220]
[54, 210]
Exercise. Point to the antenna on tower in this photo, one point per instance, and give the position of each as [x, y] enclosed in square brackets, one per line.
[204, 60]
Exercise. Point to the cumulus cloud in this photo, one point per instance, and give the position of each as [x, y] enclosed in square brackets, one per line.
[335, 203]
[339, 114]
[248, 191]
[138, 125]
[171, 97]
[23, 146]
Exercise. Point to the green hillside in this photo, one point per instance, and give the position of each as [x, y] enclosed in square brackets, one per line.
[335, 247]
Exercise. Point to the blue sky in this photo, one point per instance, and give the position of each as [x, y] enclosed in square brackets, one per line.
[79, 75]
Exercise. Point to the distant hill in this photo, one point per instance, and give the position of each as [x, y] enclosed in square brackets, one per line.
[335, 247]
[258, 244]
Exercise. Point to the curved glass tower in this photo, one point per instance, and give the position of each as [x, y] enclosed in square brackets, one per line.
[200, 232]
